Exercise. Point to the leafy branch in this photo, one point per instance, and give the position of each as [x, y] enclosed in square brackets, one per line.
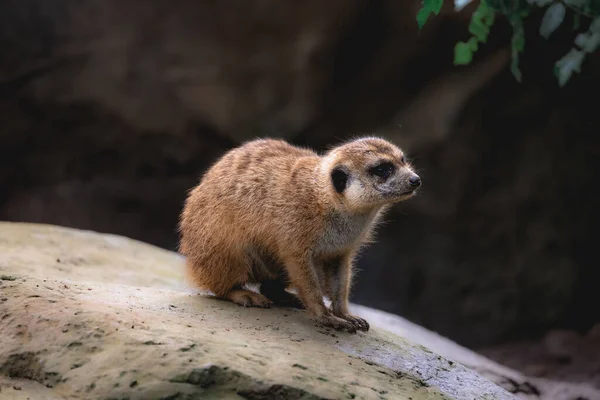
[516, 11]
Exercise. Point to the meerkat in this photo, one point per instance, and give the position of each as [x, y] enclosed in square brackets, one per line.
[282, 216]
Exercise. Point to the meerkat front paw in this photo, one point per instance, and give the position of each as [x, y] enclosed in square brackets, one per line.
[336, 323]
[359, 323]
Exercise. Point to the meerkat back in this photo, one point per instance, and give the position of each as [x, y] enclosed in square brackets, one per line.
[229, 210]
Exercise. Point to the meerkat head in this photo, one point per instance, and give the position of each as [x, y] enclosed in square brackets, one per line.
[369, 172]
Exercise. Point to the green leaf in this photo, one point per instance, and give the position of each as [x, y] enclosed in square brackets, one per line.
[517, 45]
[479, 26]
[481, 22]
[429, 7]
[479, 30]
[595, 25]
[553, 17]
[518, 41]
[473, 45]
[569, 64]
[588, 41]
[463, 53]
[514, 68]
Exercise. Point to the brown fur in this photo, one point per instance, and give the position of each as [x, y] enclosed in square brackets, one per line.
[268, 212]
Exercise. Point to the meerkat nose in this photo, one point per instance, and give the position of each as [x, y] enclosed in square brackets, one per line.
[415, 181]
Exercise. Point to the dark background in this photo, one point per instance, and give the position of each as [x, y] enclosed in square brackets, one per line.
[112, 109]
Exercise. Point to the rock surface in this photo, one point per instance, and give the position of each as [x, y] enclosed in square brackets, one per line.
[532, 386]
[99, 316]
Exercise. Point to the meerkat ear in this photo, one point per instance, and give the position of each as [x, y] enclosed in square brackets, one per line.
[339, 178]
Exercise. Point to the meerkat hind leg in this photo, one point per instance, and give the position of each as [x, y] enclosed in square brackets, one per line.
[274, 289]
[248, 298]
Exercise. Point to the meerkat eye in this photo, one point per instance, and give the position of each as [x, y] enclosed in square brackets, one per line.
[403, 160]
[339, 178]
[383, 170]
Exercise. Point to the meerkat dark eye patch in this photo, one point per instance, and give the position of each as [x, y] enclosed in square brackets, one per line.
[382, 170]
[339, 178]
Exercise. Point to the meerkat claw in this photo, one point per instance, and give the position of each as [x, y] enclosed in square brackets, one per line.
[336, 323]
[363, 325]
[359, 323]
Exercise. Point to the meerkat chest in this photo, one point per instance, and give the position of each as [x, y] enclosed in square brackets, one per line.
[344, 231]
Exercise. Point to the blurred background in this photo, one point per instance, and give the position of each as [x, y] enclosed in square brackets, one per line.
[110, 110]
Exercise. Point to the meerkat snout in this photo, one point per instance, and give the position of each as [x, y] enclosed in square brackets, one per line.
[395, 179]
[408, 183]
[415, 181]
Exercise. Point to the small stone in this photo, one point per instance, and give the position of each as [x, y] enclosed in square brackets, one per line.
[203, 377]
[188, 348]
